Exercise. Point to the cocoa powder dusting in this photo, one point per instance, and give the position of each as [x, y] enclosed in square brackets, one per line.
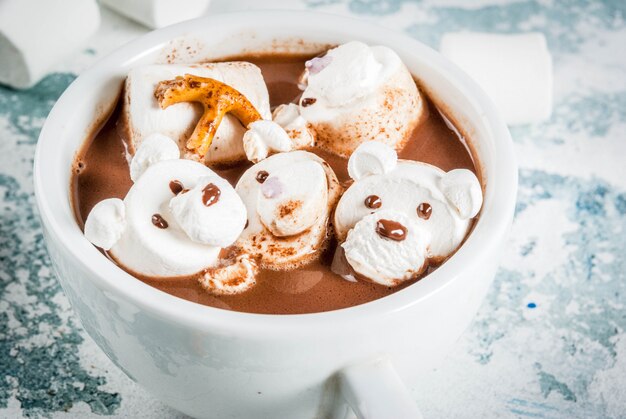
[288, 208]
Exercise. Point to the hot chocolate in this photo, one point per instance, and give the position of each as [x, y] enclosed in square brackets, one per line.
[102, 171]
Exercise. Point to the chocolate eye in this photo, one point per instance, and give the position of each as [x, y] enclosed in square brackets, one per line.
[424, 210]
[210, 194]
[308, 101]
[373, 202]
[176, 186]
[261, 176]
[159, 221]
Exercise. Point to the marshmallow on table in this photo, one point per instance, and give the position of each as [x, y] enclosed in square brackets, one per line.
[144, 116]
[356, 93]
[514, 70]
[289, 198]
[174, 221]
[35, 35]
[158, 13]
[425, 212]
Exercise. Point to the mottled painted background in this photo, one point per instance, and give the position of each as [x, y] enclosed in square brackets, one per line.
[549, 341]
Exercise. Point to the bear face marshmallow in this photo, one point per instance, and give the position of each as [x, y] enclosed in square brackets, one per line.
[399, 215]
[174, 221]
[289, 198]
[356, 93]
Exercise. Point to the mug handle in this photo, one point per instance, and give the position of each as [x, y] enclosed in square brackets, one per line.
[375, 391]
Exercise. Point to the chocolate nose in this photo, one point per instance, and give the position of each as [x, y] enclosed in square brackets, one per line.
[390, 229]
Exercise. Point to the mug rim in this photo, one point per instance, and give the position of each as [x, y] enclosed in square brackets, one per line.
[481, 243]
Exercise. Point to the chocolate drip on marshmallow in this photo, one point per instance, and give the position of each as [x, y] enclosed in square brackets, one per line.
[159, 221]
[210, 195]
[390, 229]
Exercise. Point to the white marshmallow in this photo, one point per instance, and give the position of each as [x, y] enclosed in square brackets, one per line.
[155, 148]
[35, 35]
[158, 13]
[293, 198]
[462, 190]
[195, 226]
[514, 70]
[288, 116]
[148, 250]
[264, 138]
[357, 93]
[218, 224]
[106, 223]
[453, 198]
[144, 116]
[382, 260]
[346, 73]
[371, 158]
[289, 175]
[232, 278]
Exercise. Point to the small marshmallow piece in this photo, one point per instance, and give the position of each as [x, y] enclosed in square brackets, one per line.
[217, 224]
[382, 260]
[514, 70]
[264, 138]
[462, 190]
[233, 278]
[293, 198]
[371, 158]
[158, 13]
[35, 35]
[155, 148]
[106, 223]
[288, 116]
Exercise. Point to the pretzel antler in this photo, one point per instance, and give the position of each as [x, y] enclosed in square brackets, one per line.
[217, 99]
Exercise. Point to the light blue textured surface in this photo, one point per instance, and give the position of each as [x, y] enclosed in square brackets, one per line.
[549, 341]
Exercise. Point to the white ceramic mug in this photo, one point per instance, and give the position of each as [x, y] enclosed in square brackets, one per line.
[209, 362]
